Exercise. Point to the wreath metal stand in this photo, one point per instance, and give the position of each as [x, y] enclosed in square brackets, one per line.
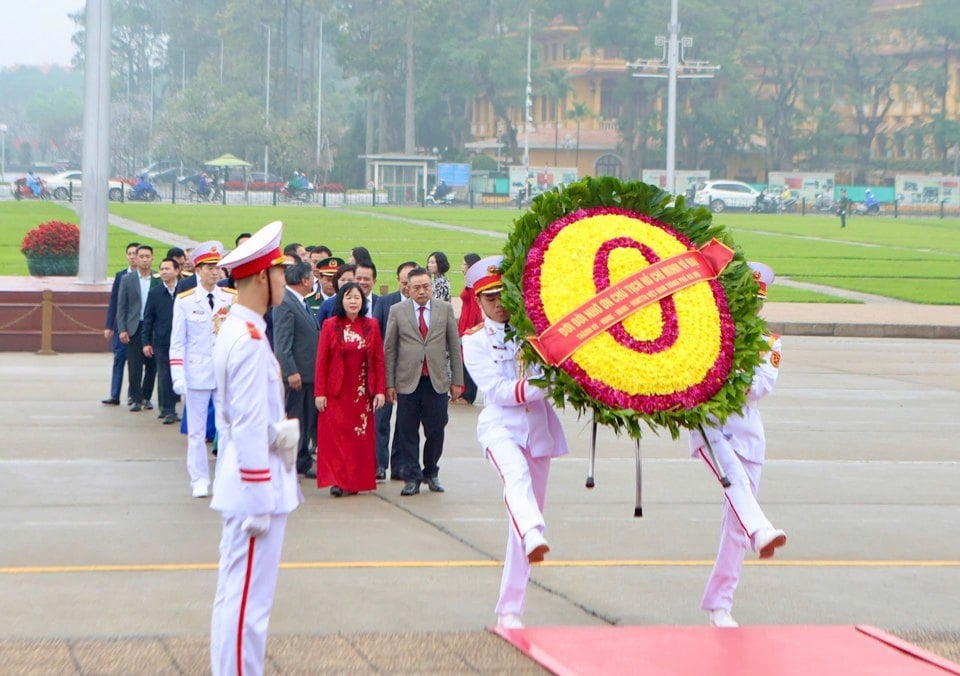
[592, 463]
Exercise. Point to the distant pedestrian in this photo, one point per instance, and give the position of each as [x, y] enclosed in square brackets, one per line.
[843, 207]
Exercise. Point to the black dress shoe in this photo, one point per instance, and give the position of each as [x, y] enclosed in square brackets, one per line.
[433, 485]
[147, 406]
[170, 418]
[309, 473]
[381, 474]
[112, 401]
[135, 408]
[336, 491]
[410, 488]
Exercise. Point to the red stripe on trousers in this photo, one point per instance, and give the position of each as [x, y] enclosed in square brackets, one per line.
[505, 503]
[243, 608]
[732, 508]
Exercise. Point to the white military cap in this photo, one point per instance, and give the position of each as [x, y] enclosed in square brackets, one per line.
[485, 276]
[258, 253]
[207, 252]
[762, 275]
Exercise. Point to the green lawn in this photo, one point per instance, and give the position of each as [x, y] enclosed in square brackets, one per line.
[910, 259]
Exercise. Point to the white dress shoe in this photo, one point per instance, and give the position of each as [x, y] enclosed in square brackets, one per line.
[721, 617]
[767, 540]
[509, 621]
[535, 545]
[201, 489]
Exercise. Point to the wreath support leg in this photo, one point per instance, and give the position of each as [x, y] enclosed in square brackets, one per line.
[724, 481]
[593, 454]
[638, 509]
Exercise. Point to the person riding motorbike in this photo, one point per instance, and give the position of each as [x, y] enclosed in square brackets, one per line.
[203, 185]
[142, 188]
[35, 184]
[871, 204]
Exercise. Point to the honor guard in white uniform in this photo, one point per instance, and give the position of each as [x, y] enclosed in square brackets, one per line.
[198, 314]
[739, 445]
[519, 432]
[256, 485]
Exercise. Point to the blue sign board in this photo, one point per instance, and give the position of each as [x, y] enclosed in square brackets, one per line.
[453, 174]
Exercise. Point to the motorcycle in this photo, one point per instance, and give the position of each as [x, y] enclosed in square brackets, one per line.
[291, 194]
[766, 204]
[143, 192]
[21, 190]
[869, 207]
[822, 202]
[438, 197]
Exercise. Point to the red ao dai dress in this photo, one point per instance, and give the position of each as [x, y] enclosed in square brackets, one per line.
[350, 371]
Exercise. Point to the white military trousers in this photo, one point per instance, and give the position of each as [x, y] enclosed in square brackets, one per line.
[197, 402]
[524, 491]
[246, 582]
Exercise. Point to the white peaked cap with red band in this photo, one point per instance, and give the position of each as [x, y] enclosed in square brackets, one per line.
[258, 253]
[486, 275]
[207, 252]
[763, 275]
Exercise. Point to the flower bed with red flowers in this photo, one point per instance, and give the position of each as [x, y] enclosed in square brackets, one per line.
[53, 238]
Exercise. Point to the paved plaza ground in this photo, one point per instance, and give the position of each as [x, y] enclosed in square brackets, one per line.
[108, 566]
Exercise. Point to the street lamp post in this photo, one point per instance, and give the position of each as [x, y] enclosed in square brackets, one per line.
[266, 145]
[677, 66]
[3, 153]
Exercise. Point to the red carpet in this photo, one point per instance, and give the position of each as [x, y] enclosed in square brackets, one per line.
[747, 651]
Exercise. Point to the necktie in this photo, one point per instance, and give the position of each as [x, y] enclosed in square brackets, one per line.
[423, 332]
[210, 300]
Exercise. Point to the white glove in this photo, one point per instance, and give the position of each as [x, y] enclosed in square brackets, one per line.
[284, 438]
[255, 526]
[179, 387]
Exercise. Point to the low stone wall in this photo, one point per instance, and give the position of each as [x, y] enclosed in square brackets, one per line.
[52, 314]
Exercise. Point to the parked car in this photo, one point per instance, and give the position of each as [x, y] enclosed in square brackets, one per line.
[720, 195]
[61, 184]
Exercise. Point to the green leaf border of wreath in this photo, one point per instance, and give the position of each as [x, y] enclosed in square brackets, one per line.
[697, 224]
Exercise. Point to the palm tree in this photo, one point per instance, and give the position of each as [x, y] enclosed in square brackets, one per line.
[556, 86]
[578, 113]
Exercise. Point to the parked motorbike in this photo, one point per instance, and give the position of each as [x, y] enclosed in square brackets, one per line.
[21, 190]
[823, 202]
[441, 195]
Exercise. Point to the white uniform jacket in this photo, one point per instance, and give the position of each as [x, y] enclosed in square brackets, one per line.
[744, 431]
[194, 331]
[250, 480]
[513, 408]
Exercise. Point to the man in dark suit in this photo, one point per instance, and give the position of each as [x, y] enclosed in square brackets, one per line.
[423, 364]
[295, 334]
[110, 331]
[381, 311]
[131, 302]
[157, 327]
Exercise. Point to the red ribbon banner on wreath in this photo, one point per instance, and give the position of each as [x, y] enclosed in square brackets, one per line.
[631, 294]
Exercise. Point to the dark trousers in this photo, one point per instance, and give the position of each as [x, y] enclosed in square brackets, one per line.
[301, 404]
[382, 419]
[119, 364]
[469, 387]
[423, 406]
[166, 398]
[141, 371]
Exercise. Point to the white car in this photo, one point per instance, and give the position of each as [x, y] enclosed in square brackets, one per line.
[720, 195]
[61, 184]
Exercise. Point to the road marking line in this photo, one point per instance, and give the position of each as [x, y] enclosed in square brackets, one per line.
[609, 563]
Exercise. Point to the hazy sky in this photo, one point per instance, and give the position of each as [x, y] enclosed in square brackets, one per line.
[33, 32]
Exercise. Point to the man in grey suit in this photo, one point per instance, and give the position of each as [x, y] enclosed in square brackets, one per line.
[295, 334]
[381, 311]
[424, 367]
[131, 302]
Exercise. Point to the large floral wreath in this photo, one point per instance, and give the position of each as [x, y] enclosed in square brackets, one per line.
[673, 306]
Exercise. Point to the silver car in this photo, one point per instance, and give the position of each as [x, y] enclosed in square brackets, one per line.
[720, 195]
